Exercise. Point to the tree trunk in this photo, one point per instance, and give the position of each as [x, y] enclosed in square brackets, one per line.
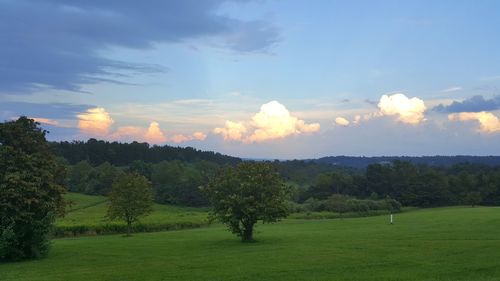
[247, 233]
[129, 228]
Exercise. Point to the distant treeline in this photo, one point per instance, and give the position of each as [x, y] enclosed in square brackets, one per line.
[411, 185]
[97, 152]
[174, 182]
[177, 173]
[363, 162]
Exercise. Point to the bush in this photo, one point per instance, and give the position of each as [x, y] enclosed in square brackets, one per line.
[341, 204]
[115, 228]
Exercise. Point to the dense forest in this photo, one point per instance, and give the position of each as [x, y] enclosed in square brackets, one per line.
[97, 152]
[363, 162]
[177, 173]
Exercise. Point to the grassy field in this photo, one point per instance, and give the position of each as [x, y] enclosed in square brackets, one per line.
[87, 217]
[431, 244]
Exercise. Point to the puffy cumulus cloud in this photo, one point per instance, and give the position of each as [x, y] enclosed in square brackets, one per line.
[183, 138]
[342, 121]
[273, 121]
[232, 131]
[154, 134]
[488, 122]
[95, 122]
[407, 110]
[199, 136]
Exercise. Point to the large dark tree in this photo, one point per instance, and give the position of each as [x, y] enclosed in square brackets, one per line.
[30, 190]
[243, 195]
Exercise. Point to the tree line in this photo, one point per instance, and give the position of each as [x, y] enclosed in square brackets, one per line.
[177, 182]
[97, 152]
[412, 185]
[174, 182]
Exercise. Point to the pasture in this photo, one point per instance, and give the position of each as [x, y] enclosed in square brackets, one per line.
[87, 216]
[459, 243]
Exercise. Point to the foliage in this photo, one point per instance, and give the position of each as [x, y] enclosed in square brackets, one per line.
[340, 204]
[473, 198]
[131, 198]
[243, 195]
[97, 152]
[30, 190]
[411, 185]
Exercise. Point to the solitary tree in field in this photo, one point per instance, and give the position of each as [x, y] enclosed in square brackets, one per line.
[131, 198]
[243, 195]
[473, 198]
[30, 190]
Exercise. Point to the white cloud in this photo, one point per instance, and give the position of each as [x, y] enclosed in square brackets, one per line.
[232, 131]
[273, 121]
[407, 110]
[452, 89]
[342, 121]
[95, 122]
[183, 138]
[153, 134]
[488, 122]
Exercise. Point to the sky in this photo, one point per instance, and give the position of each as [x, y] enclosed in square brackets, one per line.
[258, 79]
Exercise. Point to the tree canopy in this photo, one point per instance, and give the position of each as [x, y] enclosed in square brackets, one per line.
[131, 198]
[30, 190]
[243, 195]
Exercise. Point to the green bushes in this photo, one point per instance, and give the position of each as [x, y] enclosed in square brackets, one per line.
[341, 204]
[114, 228]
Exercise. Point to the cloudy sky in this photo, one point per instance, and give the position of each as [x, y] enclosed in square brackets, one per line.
[262, 79]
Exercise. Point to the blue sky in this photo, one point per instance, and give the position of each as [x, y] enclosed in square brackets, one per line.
[273, 79]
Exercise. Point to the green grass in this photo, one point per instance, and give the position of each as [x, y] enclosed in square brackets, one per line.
[87, 216]
[431, 244]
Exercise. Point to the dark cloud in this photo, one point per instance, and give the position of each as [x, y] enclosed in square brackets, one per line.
[55, 43]
[474, 104]
[371, 102]
[52, 111]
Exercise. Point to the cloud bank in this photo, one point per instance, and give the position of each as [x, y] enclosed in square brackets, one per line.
[273, 121]
[56, 43]
[97, 122]
[474, 104]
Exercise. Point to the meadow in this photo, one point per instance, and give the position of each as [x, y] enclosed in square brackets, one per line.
[456, 243]
[87, 216]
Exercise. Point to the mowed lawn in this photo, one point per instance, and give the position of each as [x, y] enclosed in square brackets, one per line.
[432, 244]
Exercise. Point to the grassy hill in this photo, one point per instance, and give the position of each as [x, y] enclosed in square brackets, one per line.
[430, 244]
[87, 216]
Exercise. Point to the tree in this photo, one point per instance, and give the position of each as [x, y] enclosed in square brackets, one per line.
[473, 198]
[337, 203]
[30, 190]
[242, 195]
[131, 198]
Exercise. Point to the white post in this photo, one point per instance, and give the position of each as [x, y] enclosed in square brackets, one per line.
[391, 219]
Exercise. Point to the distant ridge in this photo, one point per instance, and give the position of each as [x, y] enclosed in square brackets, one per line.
[363, 162]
